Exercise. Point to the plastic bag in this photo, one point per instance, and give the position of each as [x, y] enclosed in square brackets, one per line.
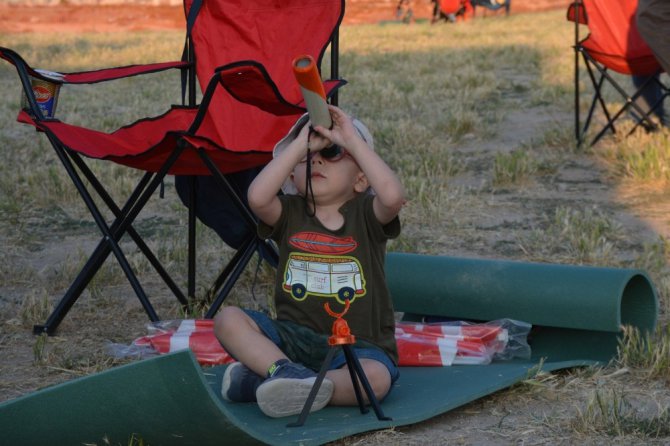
[174, 335]
[461, 343]
[419, 344]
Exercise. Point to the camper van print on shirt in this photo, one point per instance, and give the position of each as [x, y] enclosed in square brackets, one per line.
[320, 272]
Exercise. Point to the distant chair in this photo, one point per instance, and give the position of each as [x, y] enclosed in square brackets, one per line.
[493, 5]
[455, 10]
[613, 44]
[451, 10]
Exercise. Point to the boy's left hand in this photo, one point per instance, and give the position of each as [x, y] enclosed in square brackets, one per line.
[343, 132]
[316, 141]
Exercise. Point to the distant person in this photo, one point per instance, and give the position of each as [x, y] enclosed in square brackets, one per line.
[653, 23]
[335, 220]
[404, 11]
[651, 96]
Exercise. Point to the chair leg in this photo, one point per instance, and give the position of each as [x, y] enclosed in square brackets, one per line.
[578, 132]
[235, 267]
[192, 208]
[231, 274]
[630, 101]
[597, 99]
[645, 116]
[112, 234]
[95, 261]
[139, 242]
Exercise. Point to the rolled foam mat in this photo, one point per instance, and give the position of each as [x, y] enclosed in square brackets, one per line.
[576, 312]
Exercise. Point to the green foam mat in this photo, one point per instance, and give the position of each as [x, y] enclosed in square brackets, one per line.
[576, 312]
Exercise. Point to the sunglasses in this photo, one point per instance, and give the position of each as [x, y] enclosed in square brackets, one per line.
[331, 154]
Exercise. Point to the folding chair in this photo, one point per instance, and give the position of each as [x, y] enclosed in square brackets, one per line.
[451, 10]
[491, 5]
[239, 53]
[613, 44]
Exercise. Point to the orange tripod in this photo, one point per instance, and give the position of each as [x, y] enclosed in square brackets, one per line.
[343, 338]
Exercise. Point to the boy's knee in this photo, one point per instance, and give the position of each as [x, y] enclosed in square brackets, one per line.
[378, 377]
[227, 320]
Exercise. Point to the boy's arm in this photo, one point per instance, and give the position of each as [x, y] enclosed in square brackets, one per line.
[262, 193]
[390, 194]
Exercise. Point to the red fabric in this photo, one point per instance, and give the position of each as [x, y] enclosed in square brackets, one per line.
[251, 84]
[455, 6]
[614, 39]
[91, 77]
[248, 47]
[147, 144]
[419, 345]
[576, 12]
[271, 33]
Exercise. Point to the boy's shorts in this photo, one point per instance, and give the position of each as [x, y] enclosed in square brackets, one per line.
[302, 345]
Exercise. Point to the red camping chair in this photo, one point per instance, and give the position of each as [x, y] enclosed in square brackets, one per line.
[240, 55]
[613, 43]
[451, 10]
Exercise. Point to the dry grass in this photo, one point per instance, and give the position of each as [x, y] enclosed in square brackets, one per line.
[476, 118]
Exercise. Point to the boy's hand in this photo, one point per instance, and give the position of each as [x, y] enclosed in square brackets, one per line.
[317, 141]
[343, 133]
[311, 139]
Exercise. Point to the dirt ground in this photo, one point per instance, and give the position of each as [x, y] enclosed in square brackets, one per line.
[522, 416]
[70, 17]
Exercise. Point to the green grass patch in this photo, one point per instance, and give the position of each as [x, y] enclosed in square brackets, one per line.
[610, 413]
[513, 168]
[643, 158]
[647, 351]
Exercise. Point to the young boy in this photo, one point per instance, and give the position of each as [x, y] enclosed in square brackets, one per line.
[332, 245]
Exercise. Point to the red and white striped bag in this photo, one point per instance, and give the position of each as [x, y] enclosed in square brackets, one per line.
[418, 344]
[445, 345]
[196, 334]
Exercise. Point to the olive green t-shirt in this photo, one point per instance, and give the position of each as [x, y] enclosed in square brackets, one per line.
[318, 266]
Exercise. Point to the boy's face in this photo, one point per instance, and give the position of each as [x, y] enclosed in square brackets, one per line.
[337, 178]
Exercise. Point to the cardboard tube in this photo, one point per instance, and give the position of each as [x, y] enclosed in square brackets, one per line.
[312, 90]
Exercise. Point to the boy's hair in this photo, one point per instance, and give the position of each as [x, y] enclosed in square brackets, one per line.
[288, 187]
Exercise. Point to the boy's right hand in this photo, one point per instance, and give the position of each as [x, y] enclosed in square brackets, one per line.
[311, 139]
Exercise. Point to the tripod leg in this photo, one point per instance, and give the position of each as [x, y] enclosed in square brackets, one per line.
[352, 360]
[315, 389]
[354, 381]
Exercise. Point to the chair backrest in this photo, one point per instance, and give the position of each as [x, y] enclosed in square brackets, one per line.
[271, 33]
[614, 39]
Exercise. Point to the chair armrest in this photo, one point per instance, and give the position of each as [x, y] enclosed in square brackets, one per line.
[25, 72]
[88, 77]
[108, 74]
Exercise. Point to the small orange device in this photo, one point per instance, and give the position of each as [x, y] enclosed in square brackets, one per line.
[341, 332]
